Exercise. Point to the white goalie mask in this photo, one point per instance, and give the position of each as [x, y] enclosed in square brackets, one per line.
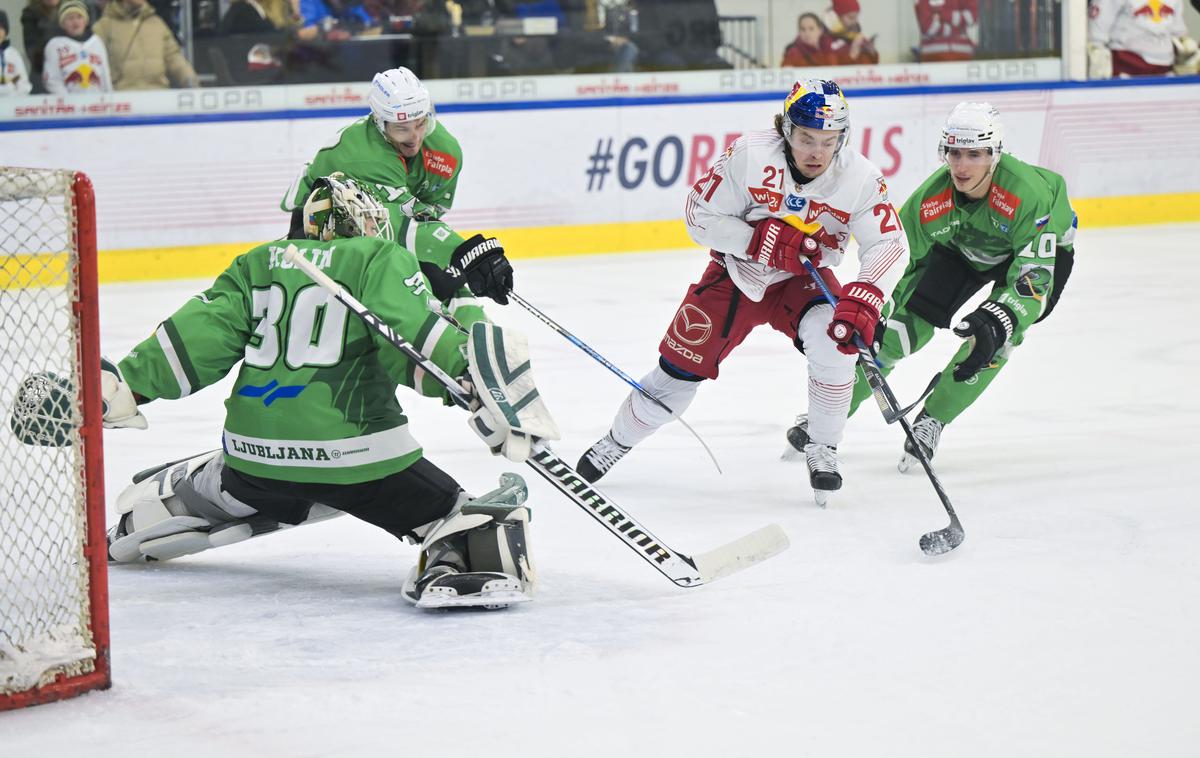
[973, 126]
[338, 207]
[397, 96]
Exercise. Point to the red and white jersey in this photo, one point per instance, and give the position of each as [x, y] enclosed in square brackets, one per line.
[73, 66]
[946, 27]
[14, 80]
[750, 181]
[1142, 27]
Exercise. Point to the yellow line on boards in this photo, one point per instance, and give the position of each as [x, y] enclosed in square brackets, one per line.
[206, 261]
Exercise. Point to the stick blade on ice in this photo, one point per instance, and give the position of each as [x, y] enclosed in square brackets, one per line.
[742, 553]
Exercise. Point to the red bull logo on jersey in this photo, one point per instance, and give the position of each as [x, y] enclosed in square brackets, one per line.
[773, 200]
[1003, 201]
[1155, 10]
[935, 207]
[442, 164]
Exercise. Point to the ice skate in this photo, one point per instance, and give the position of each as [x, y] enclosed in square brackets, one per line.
[928, 431]
[797, 438]
[601, 457]
[822, 470]
[444, 586]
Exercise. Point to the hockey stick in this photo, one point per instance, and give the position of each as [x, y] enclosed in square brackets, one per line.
[932, 543]
[608, 365]
[682, 569]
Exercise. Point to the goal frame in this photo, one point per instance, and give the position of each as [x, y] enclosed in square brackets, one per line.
[86, 313]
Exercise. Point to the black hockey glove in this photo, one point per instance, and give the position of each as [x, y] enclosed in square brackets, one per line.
[987, 328]
[482, 263]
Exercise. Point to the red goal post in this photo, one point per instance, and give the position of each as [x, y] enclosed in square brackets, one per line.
[53, 572]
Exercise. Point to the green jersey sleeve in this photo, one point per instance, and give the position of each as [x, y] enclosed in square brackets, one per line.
[198, 345]
[1042, 222]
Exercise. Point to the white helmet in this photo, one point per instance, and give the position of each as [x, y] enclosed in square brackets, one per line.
[338, 207]
[817, 104]
[397, 95]
[970, 126]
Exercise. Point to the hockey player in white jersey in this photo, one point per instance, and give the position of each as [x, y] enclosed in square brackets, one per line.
[746, 209]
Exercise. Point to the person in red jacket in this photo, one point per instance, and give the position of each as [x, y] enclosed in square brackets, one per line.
[948, 29]
[815, 46]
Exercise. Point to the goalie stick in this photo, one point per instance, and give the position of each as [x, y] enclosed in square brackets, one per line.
[611, 367]
[932, 543]
[682, 569]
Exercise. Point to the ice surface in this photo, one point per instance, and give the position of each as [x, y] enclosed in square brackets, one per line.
[1065, 625]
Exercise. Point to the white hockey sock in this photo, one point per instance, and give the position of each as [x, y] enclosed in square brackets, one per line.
[830, 378]
[639, 417]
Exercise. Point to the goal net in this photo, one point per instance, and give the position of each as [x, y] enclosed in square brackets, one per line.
[53, 591]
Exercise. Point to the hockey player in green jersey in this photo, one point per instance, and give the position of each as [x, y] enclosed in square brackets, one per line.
[985, 218]
[411, 162]
[313, 426]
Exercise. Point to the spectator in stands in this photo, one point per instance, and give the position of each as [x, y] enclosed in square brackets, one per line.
[39, 22]
[75, 60]
[14, 77]
[948, 28]
[815, 46]
[678, 35]
[842, 22]
[1126, 39]
[586, 47]
[143, 52]
[334, 19]
[419, 17]
[260, 17]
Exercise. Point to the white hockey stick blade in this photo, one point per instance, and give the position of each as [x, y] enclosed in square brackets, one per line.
[755, 547]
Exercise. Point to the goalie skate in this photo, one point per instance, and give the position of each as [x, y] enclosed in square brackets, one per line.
[446, 587]
[928, 432]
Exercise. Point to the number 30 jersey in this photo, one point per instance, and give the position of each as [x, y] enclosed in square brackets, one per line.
[750, 181]
[315, 397]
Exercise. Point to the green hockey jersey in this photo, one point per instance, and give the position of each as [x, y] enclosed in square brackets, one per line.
[1013, 234]
[421, 187]
[315, 396]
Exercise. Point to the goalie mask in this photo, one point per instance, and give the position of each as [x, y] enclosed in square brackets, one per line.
[339, 207]
[972, 126]
[816, 104]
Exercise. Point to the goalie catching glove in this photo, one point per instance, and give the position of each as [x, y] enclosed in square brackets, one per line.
[510, 415]
[120, 406]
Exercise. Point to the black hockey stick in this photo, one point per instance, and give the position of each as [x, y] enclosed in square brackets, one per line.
[682, 569]
[933, 543]
[609, 365]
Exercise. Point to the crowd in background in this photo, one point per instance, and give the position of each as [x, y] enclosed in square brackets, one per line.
[104, 45]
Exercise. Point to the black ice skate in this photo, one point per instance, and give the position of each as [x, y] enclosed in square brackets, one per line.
[444, 586]
[928, 432]
[797, 438]
[822, 470]
[601, 457]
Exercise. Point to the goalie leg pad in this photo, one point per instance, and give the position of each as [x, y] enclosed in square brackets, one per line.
[477, 555]
[180, 509]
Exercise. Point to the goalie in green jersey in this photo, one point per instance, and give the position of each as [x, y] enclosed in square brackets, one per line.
[313, 427]
[406, 157]
[985, 219]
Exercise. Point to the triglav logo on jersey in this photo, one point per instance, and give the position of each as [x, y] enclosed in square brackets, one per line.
[692, 325]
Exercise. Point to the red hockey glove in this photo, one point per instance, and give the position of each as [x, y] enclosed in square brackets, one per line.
[781, 246]
[856, 313]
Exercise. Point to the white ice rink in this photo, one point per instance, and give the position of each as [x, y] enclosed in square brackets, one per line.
[1067, 624]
